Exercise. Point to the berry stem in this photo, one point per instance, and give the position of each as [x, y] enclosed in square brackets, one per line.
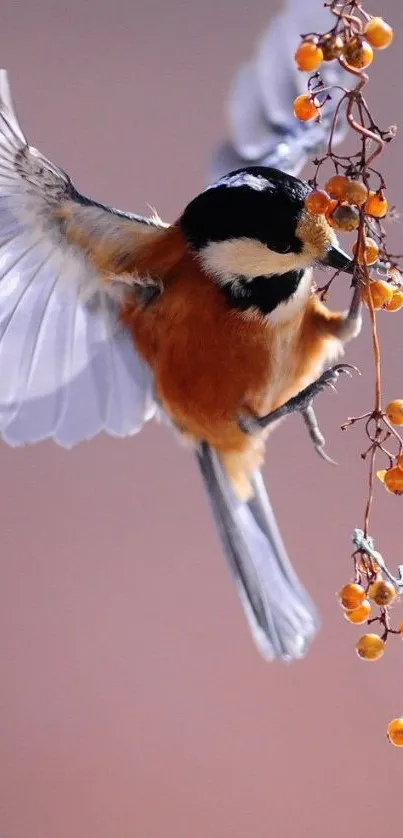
[352, 186]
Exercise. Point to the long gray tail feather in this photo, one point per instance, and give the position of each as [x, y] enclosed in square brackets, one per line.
[282, 618]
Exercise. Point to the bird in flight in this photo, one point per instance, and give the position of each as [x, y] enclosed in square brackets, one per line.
[108, 319]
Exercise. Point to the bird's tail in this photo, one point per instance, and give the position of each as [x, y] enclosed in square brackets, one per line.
[280, 613]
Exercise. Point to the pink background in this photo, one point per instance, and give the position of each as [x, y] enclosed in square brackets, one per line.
[133, 702]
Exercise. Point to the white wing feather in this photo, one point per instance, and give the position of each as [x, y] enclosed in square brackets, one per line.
[68, 370]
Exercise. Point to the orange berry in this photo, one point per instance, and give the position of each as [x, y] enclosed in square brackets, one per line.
[317, 202]
[305, 108]
[394, 411]
[381, 474]
[330, 210]
[331, 46]
[396, 276]
[376, 205]
[395, 732]
[396, 303]
[400, 463]
[368, 252]
[358, 53]
[337, 186]
[356, 192]
[382, 592]
[370, 647]
[308, 56]
[381, 293]
[378, 33]
[393, 480]
[359, 615]
[345, 218]
[352, 595]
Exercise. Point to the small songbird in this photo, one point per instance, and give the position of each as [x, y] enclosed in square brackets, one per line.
[108, 318]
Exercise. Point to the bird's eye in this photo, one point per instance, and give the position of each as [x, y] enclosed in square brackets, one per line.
[282, 247]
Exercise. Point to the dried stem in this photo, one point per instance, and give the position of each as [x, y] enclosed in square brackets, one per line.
[350, 21]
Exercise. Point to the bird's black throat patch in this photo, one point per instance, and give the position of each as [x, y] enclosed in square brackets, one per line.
[263, 293]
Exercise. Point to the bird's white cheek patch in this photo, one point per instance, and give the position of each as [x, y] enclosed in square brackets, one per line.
[248, 258]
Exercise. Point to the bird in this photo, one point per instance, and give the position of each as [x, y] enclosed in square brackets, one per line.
[109, 319]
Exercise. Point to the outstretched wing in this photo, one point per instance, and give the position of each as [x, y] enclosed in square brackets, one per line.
[263, 129]
[67, 368]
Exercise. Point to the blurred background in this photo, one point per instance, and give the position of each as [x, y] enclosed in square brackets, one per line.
[132, 700]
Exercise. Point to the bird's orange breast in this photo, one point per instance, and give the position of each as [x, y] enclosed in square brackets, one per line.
[212, 362]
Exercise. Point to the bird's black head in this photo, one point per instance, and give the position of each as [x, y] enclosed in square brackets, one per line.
[252, 225]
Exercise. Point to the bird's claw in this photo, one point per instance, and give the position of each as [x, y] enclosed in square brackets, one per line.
[301, 403]
[322, 453]
[330, 376]
[327, 379]
[315, 434]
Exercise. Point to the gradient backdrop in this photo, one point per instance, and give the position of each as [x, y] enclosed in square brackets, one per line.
[133, 703]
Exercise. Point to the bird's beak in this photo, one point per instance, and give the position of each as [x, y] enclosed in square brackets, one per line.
[336, 258]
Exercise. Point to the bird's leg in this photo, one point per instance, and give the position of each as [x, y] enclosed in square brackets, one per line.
[301, 403]
[350, 325]
[315, 434]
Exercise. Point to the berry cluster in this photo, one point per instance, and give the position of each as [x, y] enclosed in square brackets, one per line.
[353, 201]
[358, 603]
[352, 44]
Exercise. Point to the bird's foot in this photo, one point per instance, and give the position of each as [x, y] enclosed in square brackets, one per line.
[301, 403]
